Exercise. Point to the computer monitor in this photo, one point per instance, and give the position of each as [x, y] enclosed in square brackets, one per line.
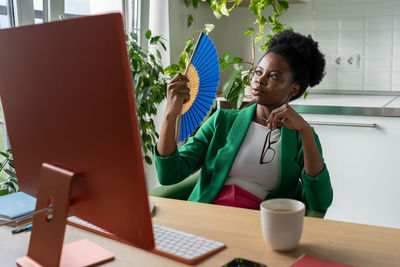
[68, 102]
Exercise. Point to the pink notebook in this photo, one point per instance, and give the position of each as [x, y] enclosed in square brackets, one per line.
[311, 261]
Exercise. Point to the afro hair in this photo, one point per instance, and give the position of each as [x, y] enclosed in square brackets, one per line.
[305, 60]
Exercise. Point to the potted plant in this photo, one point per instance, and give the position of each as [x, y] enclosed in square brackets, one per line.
[9, 184]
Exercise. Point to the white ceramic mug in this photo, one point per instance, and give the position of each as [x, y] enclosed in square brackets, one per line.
[282, 222]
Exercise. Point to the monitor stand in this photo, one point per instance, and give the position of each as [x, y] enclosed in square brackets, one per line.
[46, 244]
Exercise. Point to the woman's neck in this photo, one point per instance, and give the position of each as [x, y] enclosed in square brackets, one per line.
[261, 115]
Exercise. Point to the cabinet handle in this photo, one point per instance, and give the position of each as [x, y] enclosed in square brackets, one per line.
[349, 124]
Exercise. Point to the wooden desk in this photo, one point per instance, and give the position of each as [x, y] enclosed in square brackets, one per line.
[239, 229]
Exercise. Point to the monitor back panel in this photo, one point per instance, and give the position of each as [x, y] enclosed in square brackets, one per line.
[68, 100]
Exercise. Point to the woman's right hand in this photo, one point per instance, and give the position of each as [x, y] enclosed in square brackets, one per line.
[177, 94]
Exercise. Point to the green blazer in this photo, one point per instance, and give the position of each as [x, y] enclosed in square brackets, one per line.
[214, 149]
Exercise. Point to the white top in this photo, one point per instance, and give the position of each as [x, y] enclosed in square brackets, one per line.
[247, 172]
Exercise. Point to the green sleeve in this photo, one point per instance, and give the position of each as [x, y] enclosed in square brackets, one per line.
[317, 191]
[188, 158]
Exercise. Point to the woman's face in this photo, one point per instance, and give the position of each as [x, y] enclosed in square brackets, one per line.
[272, 84]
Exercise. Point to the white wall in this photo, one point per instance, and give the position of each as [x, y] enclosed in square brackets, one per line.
[368, 28]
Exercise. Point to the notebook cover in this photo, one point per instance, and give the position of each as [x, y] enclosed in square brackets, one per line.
[311, 261]
[16, 205]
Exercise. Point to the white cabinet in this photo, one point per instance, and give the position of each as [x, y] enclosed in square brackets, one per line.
[364, 165]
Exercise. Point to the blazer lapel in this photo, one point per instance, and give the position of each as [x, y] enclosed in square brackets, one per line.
[227, 154]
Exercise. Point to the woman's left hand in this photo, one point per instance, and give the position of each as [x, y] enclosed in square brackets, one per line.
[286, 116]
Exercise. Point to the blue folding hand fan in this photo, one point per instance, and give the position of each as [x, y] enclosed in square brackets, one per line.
[203, 74]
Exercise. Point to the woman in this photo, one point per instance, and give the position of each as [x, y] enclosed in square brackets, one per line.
[261, 152]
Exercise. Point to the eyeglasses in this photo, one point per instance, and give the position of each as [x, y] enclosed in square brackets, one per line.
[268, 149]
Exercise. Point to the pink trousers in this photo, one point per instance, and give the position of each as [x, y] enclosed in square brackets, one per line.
[235, 196]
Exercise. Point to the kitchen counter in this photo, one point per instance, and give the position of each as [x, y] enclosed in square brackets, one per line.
[335, 104]
[357, 105]
[393, 108]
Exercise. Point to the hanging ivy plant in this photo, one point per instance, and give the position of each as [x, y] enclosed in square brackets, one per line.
[233, 88]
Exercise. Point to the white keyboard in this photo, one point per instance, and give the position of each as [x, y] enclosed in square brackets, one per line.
[183, 246]
[169, 242]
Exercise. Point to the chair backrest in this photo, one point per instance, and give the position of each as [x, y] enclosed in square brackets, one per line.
[181, 190]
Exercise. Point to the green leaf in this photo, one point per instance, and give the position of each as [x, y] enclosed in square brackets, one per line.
[271, 19]
[207, 28]
[277, 28]
[6, 155]
[305, 94]
[148, 34]
[224, 66]
[183, 60]
[189, 45]
[158, 54]
[246, 80]
[152, 58]
[279, 9]
[134, 65]
[235, 98]
[213, 5]
[11, 163]
[269, 37]
[229, 84]
[3, 192]
[249, 31]
[187, 3]
[240, 97]
[226, 56]
[253, 7]
[258, 38]
[224, 10]
[217, 14]
[134, 36]
[264, 47]
[10, 172]
[237, 67]
[189, 21]
[163, 45]
[196, 3]
[154, 40]
[262, 20]
[234, 60]
[284, 4]
[148, 160]
[171, 70]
